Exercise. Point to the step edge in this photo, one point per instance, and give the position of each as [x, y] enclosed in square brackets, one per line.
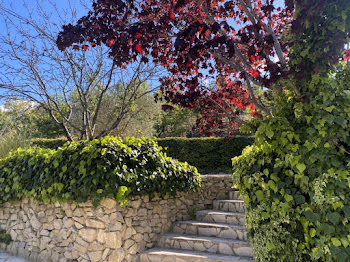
[205, 238]
[212, 224]
[218, 212]
[195, 253]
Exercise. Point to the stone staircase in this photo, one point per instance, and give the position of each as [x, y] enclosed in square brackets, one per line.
[216, 235]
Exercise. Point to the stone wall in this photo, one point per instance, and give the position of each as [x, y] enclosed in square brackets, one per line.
[110, 232]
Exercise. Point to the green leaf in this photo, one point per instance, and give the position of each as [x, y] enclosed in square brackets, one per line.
[346, 210]
[301, 167]
[299, 199]
[260, 195]
[312, 232]
[336, 242]
[311, 216]
[333, 217]
[288, 198]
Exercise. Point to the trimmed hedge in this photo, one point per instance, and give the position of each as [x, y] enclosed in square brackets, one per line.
[84, 170]
[208, 154]
[52, 143]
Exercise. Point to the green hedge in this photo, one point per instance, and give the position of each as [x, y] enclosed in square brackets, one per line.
[93, 170]
[52, 143]
[209, 155]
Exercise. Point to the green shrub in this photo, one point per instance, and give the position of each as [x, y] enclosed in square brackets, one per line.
[295, 180]
[52, 143]
[94, 170]
[209, 155]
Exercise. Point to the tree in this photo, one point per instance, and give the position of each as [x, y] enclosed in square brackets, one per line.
[295, 179]
[67, 85]
[176, 121]
[28, 119]
[186, 38]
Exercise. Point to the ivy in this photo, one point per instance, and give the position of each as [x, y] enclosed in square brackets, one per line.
[93, 170]
[295, 179]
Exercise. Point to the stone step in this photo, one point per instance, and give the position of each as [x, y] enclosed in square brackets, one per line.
[176, 255]
[211, 216]
[211, 229]
[234, 195]
[208, 244]
[229, 205]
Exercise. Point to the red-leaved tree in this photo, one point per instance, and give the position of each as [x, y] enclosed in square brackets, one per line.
[234, 45]
[237, 45]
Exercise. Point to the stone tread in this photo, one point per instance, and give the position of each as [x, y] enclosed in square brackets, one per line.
[219, 212]
[218, 216]
[189, 256]
[208, 244]
[211, 229]
[205, 238]
[208, 224]
[230, 201]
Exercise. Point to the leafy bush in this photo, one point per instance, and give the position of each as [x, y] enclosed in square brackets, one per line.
[295, 180]
[209, 155]
[94, 170]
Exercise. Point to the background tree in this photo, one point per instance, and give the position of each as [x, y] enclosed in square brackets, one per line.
[295, 179]
[67, 85]
[175, 121]
[27, 118]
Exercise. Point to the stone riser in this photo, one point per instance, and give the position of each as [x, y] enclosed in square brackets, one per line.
[206, 244]
[168, 255]
[211, 216]
[229, 205]
[211, 230]
[234, 195]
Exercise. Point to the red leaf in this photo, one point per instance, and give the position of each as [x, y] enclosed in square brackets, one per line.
[254, 73]
[110, 42]
[85, 47]
[346, 54]
[138, 35]
[138, 48]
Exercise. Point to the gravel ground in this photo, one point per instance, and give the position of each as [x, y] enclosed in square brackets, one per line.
[5, 257]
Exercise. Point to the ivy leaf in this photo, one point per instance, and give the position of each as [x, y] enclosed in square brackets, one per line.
[260, 195]
[312, 232]
[301, 167]
[311, 216]
[288, 198]
[299, 199]
[336, 242]
[333, 217]
[346, 210]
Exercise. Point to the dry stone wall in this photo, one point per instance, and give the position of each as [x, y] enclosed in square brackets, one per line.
[80, 232]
